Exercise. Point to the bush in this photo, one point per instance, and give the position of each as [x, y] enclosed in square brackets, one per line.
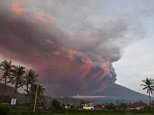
[122, 107]
[56, 106]
[4, 109]
[110, 106]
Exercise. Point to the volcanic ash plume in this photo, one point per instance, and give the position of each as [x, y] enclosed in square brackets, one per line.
[69, 61]
[72, 74]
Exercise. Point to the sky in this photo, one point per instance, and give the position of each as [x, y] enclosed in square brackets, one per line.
[80, 46]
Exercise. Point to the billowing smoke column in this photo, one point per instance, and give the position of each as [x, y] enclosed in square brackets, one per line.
[69, 62]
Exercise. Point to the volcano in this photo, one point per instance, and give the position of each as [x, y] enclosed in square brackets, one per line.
[121, 92]
[114, 93]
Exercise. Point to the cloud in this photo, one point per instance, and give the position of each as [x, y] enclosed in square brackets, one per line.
[76, 58]
[17, 9]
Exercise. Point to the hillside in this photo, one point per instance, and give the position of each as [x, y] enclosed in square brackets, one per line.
[111, 94]
[121, 92]
[9, 91]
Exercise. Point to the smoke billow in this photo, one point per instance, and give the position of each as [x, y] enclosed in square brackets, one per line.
[75, 60]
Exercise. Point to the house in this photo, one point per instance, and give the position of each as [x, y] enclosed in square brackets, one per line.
[5, 99]
[67, 106]
[88, 106]
[137, 106]
[99, 107]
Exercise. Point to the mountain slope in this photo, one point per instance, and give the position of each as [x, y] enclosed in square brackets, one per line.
[122, 92]
[6, 90]
[9, 91]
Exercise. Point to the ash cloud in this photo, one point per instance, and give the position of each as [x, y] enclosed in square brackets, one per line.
[69, 61]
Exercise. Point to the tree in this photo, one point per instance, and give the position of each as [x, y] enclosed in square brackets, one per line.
[149, 86]
[18, 73]
[30, 80]
[37, 94]
[110, 106]
[39, 89]
[6, 68]
[122, 106]
[56, 106]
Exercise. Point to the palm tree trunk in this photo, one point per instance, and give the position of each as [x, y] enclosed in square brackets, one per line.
[150, 101]
[27, 88]
[16, 86]
[5, 81]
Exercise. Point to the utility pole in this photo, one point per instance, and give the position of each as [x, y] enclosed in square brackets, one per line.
[35, 101]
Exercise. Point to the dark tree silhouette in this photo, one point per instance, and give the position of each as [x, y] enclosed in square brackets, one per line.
[6, 68]
[39, 88]
[18, 73]
[18, 77]
[56, 106]
[30, 80]
[149, 86]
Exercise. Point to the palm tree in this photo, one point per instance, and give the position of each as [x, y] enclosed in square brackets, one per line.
[149, 86]
[39, 89]
[37, 94]
[30, 79]
[6, 68]
[18, 73]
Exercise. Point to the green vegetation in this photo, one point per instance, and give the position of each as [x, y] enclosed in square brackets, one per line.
[149, 86]
[18, 74]
[110, 106]
[4, 109]
[30, 79]
[122, 106]
[81, 113]
[13, 77]
[6, 68]
[56, 106]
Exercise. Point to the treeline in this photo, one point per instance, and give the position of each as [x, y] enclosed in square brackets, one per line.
[18, 76]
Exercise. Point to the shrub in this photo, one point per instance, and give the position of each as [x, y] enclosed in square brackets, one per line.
[4, 109]
[56, 106]
[110, 106]
[122, 106]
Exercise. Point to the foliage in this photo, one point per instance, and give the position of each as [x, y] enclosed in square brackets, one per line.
[5, 67]
[18, 76]
[30, 79]
[122, 106]
[82, 113]
[55, 104]
[110, 106]
[18, 73]
[149, 86]
[4, 109]
[39, 89]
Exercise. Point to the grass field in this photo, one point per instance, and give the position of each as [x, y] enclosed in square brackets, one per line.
[77, 113]
[21, 111]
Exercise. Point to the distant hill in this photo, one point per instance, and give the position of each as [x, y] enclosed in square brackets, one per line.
[9, 91]
[122, 92]
[113, 94]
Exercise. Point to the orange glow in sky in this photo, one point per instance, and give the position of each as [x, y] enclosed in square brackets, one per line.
[17, 9]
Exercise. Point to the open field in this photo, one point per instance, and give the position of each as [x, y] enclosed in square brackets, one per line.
[92, 113]
[82, 113]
